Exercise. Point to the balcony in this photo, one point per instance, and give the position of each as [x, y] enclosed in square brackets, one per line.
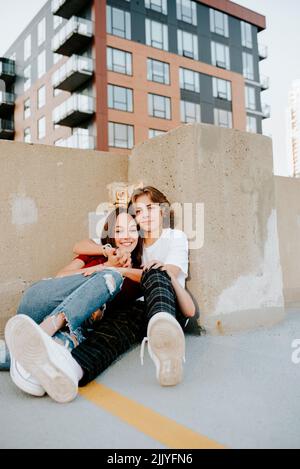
[74, 73]
[266, 111]
[74, 111]
[73, 37]
[7, 70]
[264, 82]
[7, 129]
[262, 51]
[84, 141]
[68, 8]
[7, 103]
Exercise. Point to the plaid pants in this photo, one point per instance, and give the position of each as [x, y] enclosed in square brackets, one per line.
[123, 327]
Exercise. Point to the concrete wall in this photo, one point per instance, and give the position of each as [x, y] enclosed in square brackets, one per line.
[288, 210]
[236, 276]
[46, 194]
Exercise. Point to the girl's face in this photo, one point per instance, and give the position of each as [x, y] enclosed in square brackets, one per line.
[126, 232]
[148, 214]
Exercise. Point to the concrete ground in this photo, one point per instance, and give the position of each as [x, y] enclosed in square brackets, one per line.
[240, 391]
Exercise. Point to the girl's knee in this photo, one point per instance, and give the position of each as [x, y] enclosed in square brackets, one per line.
[113, 280]
[154, 274]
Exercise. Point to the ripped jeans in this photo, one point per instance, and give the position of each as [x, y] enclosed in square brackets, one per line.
[76, 296]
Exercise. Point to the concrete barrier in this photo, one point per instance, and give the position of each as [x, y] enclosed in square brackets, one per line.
[287, 192]
[46, 194]
[236, 277]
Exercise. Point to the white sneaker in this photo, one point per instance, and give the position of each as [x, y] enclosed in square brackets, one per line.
[166, 347]
[48, 362]
[24, 380]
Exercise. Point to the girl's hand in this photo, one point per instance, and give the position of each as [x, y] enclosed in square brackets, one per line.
[119, 258]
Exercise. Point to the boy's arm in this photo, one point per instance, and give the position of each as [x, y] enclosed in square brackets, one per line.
[184, 299]
[88, 247]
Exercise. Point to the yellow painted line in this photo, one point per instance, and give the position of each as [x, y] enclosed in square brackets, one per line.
[168, 432]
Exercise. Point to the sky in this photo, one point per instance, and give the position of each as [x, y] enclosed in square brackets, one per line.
[282, 66]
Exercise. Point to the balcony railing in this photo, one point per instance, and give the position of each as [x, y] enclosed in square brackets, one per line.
[264, 82]
[74, 111]
[7, 70]
[262, 51]
[78, 140]
[7, 103]
[266, 111]
[74, 73]
[7, 129]
[68, 8]
[73, 37]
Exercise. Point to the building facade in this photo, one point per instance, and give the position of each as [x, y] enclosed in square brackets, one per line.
[293, 121]
[108, 74]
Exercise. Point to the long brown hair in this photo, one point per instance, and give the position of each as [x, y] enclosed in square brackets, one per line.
[108, 235]
[156, 197]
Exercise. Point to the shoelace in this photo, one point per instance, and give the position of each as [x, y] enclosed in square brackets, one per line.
[142, 354]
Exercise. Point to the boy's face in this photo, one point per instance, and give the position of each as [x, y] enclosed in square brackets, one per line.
[148, 214]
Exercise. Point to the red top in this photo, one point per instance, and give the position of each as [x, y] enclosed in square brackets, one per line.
[130, 290]
[91, 261]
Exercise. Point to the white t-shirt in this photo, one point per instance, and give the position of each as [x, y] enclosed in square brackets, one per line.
[171, 248]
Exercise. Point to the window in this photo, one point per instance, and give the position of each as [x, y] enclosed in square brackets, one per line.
[41, 128]
[41, 64]
[190, 112]
[187, 44]
[27, 47]
[157, 5]
[221, 89]
[246, 35]
[119, 61]
[159, 106]
[158, 71]
[189, 80]
[155, 133]
[157, 35]
[220, 55]
[27, 135]
[27, 78]
[57, 21]
[27, 108]
[41, 101]
[250, 98]
[223, 118]
[251, 124]
[248, 66]
[120, 98]
[118, 22]
[187, 11]
[120, 135]
[42, 32]
[219, 23]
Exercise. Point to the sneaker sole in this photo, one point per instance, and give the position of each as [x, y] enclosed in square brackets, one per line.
[28, 389]
[167, 343]
[27, 346]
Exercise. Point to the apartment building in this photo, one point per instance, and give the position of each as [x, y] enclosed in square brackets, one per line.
[108, 74]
